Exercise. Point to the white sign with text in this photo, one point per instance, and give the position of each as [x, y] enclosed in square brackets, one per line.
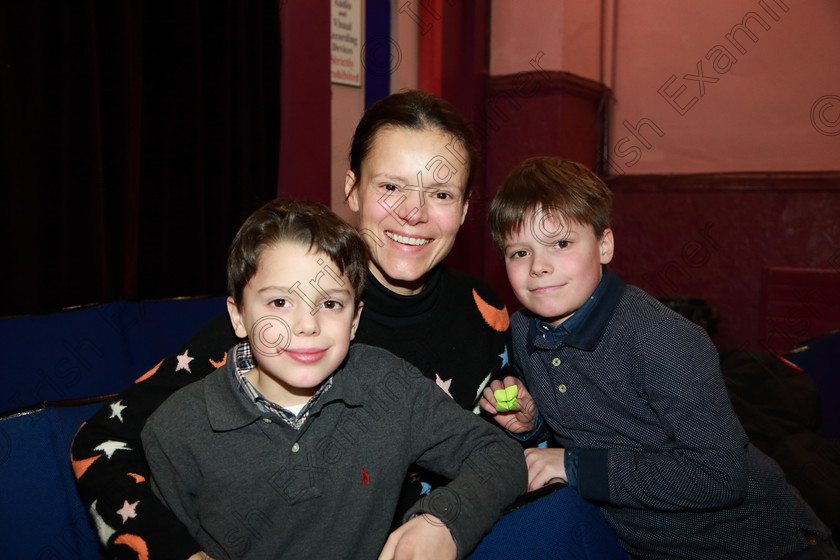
[345, 42]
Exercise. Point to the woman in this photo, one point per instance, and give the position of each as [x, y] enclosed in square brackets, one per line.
[409, 182]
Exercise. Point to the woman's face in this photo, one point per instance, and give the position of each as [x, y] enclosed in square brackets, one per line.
[410, 199]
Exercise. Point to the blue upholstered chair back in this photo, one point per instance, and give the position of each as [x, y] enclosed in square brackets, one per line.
[41, 514]
[70, 355]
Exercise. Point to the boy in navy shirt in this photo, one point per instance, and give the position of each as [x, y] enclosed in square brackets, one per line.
[631, 391]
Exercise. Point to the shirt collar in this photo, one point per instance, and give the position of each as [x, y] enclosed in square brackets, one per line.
[583, 329]
[247, 405]
[230, 408]
[556, 335]
[243, 363]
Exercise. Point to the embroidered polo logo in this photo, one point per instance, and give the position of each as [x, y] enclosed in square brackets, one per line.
[365, 476]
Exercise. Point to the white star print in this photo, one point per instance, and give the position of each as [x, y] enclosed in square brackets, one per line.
[443, 384]
[127, 511]
[105, 531]
[184, 361]
[477, 408]
[110, 446]
[116, 410]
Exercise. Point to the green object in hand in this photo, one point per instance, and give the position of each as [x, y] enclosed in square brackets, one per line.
[506, 399]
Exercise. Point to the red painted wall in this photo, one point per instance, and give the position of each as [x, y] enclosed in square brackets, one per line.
[460, 43]
[731, 84]
[710, 237]
[304, 170]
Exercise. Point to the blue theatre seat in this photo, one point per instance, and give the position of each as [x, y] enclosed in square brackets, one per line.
[94, 350]
[52, 366]
[820, 359]
[41, 515]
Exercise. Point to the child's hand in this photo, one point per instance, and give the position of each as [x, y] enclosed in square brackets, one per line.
[423, 538]
[545, 466]
[519, 421]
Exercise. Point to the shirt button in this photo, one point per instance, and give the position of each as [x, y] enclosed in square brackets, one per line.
[267, 420]
[562, 388]
[295, 447]
[556, 362]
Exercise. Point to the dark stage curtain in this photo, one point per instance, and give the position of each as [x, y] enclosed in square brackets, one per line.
[136, 137]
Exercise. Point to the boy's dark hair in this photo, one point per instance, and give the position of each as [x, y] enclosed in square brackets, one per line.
[414, 110]
[308, 223]
[552, 186]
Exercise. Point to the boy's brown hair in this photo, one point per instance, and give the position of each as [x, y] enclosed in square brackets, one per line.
[308, 223]
[552, 186]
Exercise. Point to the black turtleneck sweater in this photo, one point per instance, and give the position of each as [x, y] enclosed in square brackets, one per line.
[441, 331]
[454, 331]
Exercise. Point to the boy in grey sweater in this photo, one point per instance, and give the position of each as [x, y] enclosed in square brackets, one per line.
[298, 445]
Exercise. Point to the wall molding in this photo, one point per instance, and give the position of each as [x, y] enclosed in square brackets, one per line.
[798, 181]
[511, 91]
[550, 80]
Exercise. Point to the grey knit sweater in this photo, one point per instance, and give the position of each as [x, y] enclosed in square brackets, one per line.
[247, 485]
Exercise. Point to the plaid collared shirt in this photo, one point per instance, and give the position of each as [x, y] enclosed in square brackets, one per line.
[244, 362]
